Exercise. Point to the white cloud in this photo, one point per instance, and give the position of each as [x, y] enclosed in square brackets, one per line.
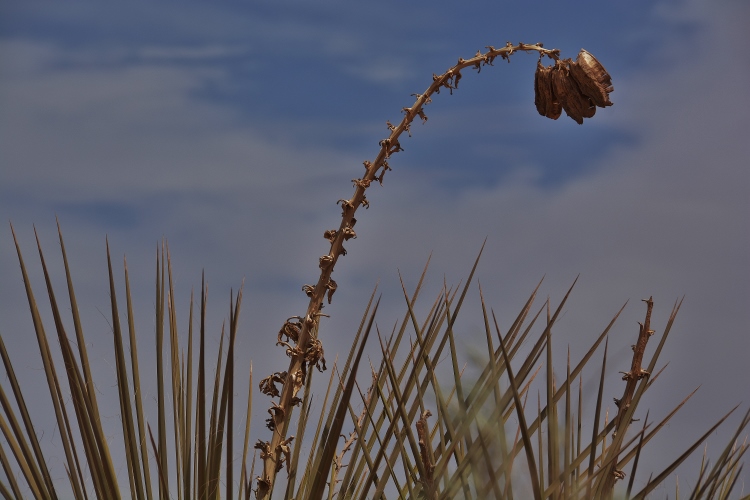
[124, 132]
[203, 52]
[381, 71]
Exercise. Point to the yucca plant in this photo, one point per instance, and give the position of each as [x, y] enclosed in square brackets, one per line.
[423, 429]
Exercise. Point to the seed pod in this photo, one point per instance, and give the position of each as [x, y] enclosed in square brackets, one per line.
[576, 105]
[544, 98]
[592, 78]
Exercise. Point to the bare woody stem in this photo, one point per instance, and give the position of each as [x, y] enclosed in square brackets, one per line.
[624, 412]
[273, 453]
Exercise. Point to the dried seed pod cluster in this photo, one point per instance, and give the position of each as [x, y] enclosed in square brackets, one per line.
[577, 87]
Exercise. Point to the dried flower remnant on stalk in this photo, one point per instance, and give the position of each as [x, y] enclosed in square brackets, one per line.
[578, 87]
[544, 98]
[576, 105]
[592, 78]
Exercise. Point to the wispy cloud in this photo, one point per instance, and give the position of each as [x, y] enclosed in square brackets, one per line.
[126, 131]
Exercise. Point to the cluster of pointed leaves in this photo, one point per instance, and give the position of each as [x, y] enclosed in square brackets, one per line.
[472, 448]
[578, 87]
[177, 455]
[422, 431]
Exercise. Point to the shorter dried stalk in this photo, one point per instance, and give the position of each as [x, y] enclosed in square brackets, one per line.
[425, 451]
[631, 379]
[338, 461]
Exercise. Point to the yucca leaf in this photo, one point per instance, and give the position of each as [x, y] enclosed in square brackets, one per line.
[200, 407]
[76, 473]
[365, 453]
[597, 419]
[123, 387]
[497, 393]
[318, 486]
[95, 443]
[160, 393]
[390, 432]
[188, 463]
[722, 458]
[525, 436]
[400, 452]
[354, 463]
[553, 440]
[568, 430]
[228, 391]
[213, 443]
[311, 465]
[304, 418]
[653, 483]
[162, 473]
[174, 370]
[321, 434]
[728, 468]
[637, 457]
[32, 476]
[137, 394]
[540, 440]
[401, 415]
[7, 468]
[246, 441]
[410, 382]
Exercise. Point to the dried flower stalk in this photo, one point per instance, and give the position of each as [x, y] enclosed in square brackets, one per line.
[631, 378]
[308, 350]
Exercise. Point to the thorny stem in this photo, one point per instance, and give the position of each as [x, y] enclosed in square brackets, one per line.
[309, 323]
[631, 378]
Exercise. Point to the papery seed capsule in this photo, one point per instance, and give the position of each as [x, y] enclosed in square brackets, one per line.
[592, 78]
[544, 98]
[576, 105]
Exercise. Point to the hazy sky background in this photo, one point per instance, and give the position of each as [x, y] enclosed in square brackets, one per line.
[232, 129]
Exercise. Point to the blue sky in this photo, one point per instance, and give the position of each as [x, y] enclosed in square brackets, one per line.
[231, 129]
